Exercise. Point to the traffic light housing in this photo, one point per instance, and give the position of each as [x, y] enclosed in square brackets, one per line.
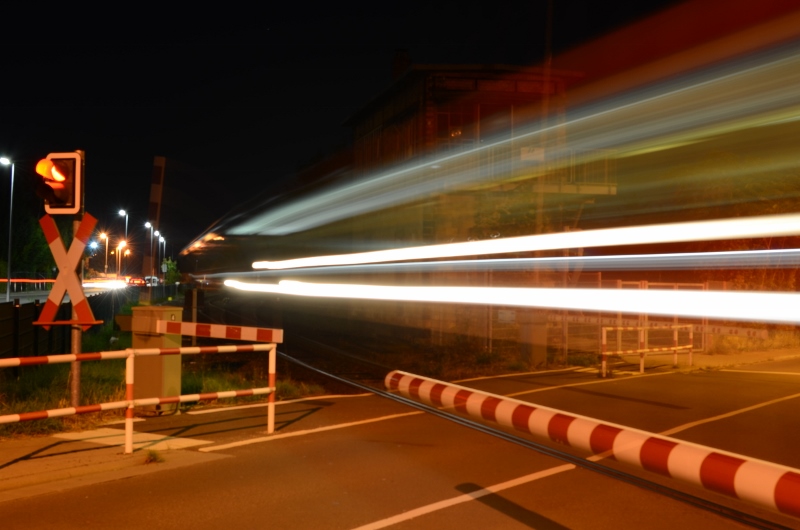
[61, 185]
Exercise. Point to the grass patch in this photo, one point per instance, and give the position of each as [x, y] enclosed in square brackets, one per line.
[105, 338]
[153, 457]
[45, 387]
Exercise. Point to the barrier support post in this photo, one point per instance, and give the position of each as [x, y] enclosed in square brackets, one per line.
[641, 351]
[272, 383]
[603, 354]
[129, 363]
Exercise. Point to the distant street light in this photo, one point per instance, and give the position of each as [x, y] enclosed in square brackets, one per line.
[150, 226]
[161, 256]
[104, 236]
[123, 212]
[119, 256]
[5, 161]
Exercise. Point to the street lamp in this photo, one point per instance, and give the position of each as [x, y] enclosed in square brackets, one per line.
[150, 226]
[123, 212]
[160, 255]
[104, 236]
[5, 161]
[119, 255]
[156, 253]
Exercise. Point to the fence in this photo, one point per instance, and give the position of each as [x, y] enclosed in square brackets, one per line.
[644, 347]
[20, 338]
[758, 482]
[130, 354]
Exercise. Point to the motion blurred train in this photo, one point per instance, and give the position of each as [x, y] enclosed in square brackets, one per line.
[660, 157]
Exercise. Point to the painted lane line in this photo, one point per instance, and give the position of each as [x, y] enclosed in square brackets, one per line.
[581, 384]
[277, 403]
[305, 432]
[685, 426]
[142, 440]
[573, 369]
[441, 505]
[760, 372]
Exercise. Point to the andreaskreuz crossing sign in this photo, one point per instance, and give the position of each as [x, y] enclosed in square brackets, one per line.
[67, 280]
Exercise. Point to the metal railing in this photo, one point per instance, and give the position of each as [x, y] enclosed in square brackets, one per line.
[643, 348]
[129, 403]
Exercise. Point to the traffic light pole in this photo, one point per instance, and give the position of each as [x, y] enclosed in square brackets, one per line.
[76, 337]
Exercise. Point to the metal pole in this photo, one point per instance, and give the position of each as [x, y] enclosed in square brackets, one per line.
[76, 336]
[106, 269]
[10, 209]
[151, 252]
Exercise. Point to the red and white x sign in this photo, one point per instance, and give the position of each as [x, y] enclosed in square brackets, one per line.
[67, 280]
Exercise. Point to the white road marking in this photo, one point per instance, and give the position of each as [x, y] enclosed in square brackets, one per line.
[685, 426]
[760, 372]
[287, 402]
[610, 380]
[441, 505]
[273, 437]
[141, 440]
[573, 369]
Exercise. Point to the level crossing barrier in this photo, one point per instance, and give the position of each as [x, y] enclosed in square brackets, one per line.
[130, 354]
[642, 350]
[758, 482]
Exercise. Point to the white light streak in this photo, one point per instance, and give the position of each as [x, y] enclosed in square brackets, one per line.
[680, 112]
[774, 307]
[106, 284]
[748, 227]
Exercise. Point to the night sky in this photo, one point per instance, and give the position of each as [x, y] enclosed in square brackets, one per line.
[241, 107]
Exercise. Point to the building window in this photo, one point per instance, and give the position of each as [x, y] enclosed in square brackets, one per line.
[455, 126]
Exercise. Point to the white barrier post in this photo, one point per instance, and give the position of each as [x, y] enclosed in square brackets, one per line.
[272, 383]
[641, 350]
[603, 354]
[129, 363]
[675, 344]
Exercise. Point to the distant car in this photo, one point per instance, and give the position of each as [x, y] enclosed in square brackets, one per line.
[151, 280]
[137, 282]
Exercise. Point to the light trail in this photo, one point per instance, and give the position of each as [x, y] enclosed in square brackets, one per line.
[735, 259]
[776, 307]
[747, 93]
[749, 227]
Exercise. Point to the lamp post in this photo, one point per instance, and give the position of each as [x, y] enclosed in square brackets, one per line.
[160, 255]
[119, 256]
[93, 246]
[5, 161]
[104, 236]
[150, 226]
[157, 253]
[123, 212]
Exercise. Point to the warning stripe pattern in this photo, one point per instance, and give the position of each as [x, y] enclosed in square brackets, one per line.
[87, 409]
[756, 481]
[218, 331]
[67, 262]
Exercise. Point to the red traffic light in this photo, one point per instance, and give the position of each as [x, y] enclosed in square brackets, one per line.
[61, 183]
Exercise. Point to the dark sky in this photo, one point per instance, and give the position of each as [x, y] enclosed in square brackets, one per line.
[243, 105]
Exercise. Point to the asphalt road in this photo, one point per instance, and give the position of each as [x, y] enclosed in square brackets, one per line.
[369, 462]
